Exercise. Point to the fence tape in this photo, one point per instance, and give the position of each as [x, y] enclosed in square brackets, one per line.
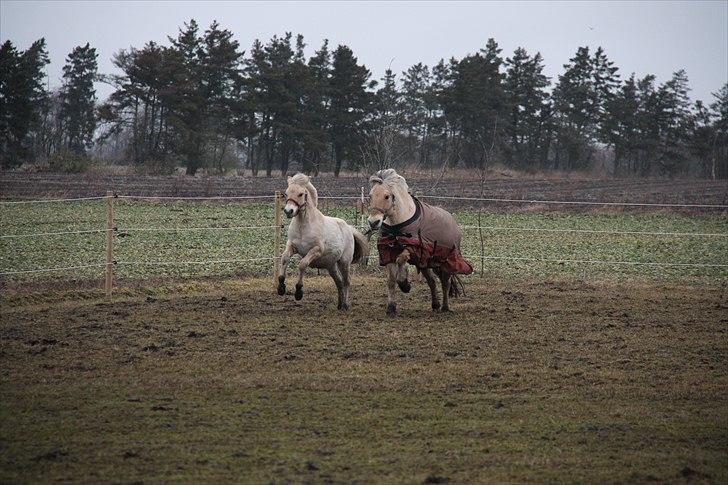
[599, 261]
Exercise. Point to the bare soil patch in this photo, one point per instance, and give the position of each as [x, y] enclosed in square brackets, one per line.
[527, 380]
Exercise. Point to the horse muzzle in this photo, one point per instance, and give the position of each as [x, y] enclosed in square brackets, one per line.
[375, 223]
[290, 211]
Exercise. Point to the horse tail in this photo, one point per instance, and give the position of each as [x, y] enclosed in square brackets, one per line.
[361, 248]
[455, 290]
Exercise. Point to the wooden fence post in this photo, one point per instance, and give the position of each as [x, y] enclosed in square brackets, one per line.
[277, 235]
[109, 283]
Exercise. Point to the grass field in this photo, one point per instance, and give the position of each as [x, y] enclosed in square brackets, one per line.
[528, 380]
[506, 235]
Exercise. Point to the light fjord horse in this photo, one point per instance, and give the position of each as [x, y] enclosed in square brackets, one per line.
[323, 242]
[414, 233]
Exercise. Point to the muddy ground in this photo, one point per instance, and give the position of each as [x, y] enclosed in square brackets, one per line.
[526, 381]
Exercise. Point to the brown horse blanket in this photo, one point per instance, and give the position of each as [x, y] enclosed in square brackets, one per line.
[432, 237]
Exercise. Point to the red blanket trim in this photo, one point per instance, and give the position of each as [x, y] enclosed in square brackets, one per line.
[422, 256]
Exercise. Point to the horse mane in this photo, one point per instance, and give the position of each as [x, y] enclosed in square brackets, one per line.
[305, 181]
[390, 178]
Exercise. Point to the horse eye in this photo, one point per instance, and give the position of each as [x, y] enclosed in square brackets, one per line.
[301, 194]
[386, 197]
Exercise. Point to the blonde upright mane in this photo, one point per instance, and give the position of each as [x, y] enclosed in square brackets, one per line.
[305, 181]
[391, 179]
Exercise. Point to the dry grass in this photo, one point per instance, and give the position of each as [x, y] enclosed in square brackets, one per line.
[542, 381]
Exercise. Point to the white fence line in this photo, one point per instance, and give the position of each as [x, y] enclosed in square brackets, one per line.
[43, 201]
[185, 229]
[357, 197]
[596, 231]
[598, 261]
[47, 270]
[182, 197]
[183, 263]
[11, 236]
[576, 202]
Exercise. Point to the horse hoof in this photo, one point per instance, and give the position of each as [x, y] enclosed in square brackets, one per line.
[445, 309]
[299, 292]
[343, 307]
[404, 286]
[281, 287]
[435, 306]
[391, 310]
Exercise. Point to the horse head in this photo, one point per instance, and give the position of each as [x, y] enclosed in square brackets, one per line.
[299, 194]
[387, 186]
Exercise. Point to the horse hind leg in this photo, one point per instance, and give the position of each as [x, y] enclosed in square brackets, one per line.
[344, 272]
[427, 273]
[445, 280]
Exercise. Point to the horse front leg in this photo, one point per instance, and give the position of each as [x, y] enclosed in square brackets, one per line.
[402, 272]
[312, 255]
[285, 258]
[427, 273]
[392, 270]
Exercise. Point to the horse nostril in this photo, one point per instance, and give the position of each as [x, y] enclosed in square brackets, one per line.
[373, 224]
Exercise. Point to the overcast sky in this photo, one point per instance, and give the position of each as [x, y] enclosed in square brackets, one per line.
[647, 37]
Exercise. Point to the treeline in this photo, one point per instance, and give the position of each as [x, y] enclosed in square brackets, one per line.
[202, 103]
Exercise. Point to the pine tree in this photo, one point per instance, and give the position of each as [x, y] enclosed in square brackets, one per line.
[350, 105]
[476, 104]
[577, 112]
[316, 110]
[719, 144]
[620, 127]
[22, 100]
[524, 128]
[78, 99]
[417, 106]
[187, 116]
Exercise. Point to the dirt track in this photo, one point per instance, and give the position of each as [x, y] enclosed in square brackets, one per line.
[524, 381]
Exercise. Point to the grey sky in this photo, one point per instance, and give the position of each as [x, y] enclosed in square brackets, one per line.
[644, 37]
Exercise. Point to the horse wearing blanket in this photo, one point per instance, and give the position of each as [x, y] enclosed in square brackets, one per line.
[323, 242]
[416, 233]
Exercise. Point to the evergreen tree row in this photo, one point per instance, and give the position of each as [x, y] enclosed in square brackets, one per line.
[201, 102]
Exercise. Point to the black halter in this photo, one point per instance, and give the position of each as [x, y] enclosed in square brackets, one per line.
[396, 230]
[305, 201]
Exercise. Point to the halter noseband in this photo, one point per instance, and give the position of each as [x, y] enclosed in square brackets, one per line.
[305, 201]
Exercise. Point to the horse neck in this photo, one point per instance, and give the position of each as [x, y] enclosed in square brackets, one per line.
[308, 215]
[404, 208]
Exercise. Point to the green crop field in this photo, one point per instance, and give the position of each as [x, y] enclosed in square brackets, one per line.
[145, 247]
